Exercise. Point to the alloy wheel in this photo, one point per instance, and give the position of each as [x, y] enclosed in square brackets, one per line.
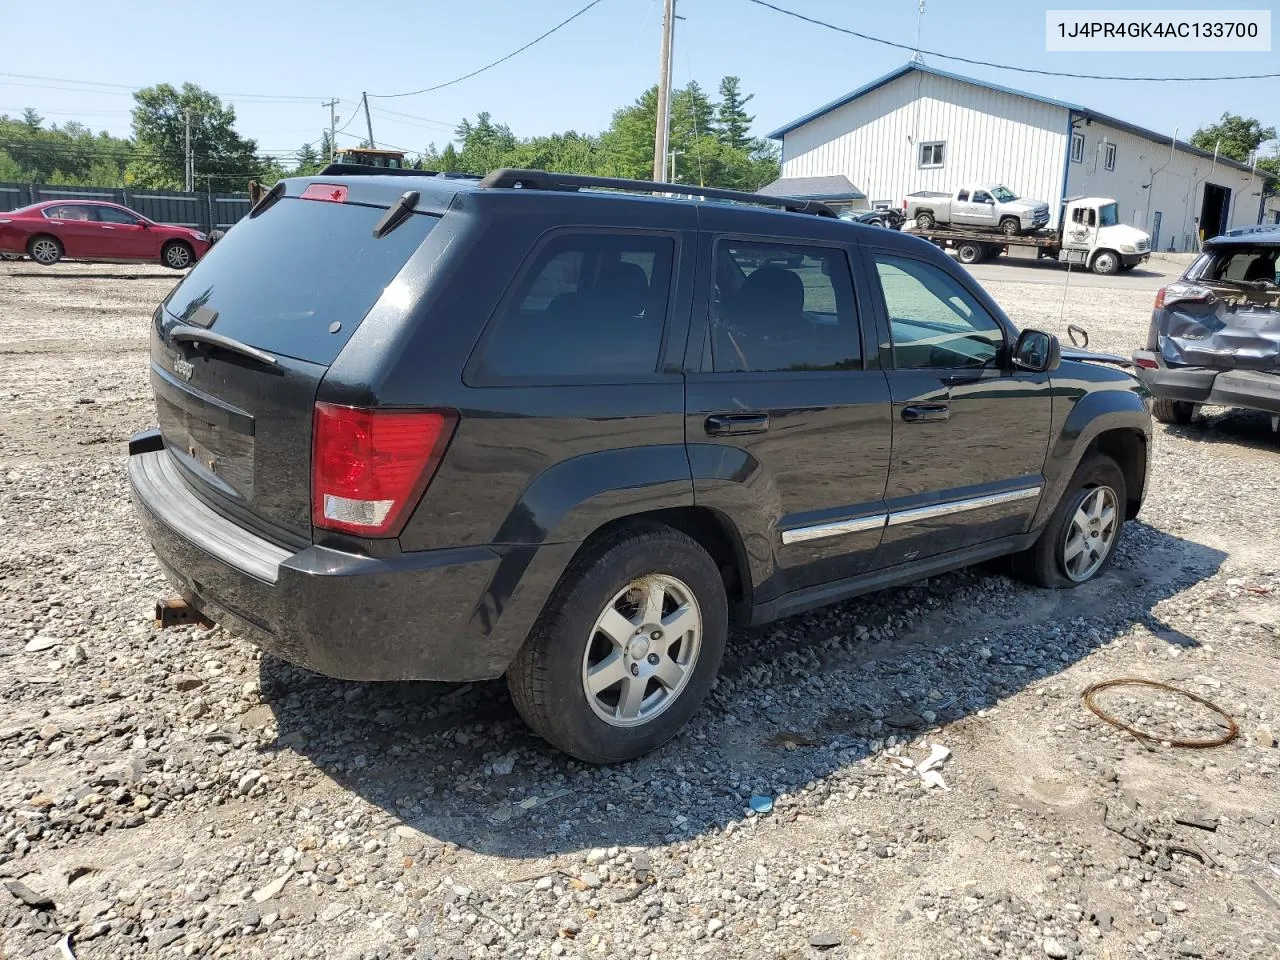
[642, 650]
[1091, 533]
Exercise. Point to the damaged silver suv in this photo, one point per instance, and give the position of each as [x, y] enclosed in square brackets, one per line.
[1215, 333]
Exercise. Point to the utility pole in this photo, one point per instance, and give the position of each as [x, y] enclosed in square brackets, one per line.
[190, 160]
[664, 93]
[333, 124]
[364, 97]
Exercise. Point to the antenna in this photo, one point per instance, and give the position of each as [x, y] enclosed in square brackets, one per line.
[917, 57]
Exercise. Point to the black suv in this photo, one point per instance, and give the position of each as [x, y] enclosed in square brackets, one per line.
[564, 429]
[1215, 333]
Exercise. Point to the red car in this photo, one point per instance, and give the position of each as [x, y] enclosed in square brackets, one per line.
[91, 230]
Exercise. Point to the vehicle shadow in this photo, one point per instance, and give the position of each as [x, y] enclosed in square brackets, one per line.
[797, 702]
[1250, 429]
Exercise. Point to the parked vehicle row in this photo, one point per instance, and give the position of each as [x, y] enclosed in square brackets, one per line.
[420, 427]
[47, 232]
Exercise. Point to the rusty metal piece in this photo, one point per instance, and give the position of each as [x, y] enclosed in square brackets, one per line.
[1147, 739]
[176, 612]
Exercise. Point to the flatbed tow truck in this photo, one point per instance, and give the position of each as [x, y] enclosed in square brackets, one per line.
[1089, 234]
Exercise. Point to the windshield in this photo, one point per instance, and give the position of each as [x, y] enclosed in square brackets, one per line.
[1003, 194]
[1108, 215]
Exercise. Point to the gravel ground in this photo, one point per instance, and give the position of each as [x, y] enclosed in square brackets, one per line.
[177, 794]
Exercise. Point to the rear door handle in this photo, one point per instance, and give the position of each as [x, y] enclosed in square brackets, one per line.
[926, 413]
[736, 424]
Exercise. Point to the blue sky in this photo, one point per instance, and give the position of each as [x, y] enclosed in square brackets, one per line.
[574, 79]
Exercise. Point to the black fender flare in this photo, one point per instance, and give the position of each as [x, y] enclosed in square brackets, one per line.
[557, 512]
[1094, 413]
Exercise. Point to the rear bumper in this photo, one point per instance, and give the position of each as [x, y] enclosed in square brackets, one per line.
[341, 614]
[1250, 389]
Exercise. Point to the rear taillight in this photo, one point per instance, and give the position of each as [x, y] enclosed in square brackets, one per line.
[1181, 292]
[1146, 363]
[370, 467]
[331, 192]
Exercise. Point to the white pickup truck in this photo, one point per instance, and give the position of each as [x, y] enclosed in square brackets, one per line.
[983, 206]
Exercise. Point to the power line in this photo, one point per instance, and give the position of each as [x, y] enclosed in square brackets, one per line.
[128, 88]
[489, 66]
[412, 120]
[1002, 66]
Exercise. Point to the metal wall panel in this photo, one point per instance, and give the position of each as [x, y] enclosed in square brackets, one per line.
[989, 135]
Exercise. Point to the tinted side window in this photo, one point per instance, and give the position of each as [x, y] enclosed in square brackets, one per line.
[934, 321]
[69, 211]
[783, 307]
[589, 304]
[112, 215]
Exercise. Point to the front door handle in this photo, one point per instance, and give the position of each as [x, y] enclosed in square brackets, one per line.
[736, 424]
[926, 413]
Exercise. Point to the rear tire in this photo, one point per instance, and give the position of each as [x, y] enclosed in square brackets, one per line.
[600, 640]
[969, 253]
[177, 255]
[1010, 226]
[1073, 548]
[45, 250]
[1177, 412]
[925, 221]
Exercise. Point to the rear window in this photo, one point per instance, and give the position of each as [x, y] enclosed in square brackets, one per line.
[280, 280]
[1239, 263]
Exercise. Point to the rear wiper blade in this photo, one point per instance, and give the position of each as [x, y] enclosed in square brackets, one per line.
[185, 333]
[397, 214]
[1246, 284]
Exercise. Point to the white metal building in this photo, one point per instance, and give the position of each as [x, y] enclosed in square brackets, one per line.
[919, 128]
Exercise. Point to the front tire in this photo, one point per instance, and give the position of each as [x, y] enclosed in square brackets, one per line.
[1177, 412]
[45, 250]
[177, 255]
[1079, 542]
[1106, 263]
[1010, 227]
[626, 649]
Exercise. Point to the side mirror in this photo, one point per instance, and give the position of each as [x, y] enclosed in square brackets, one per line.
[1037, 351]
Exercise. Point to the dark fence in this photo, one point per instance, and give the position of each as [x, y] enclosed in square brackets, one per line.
[204, 211]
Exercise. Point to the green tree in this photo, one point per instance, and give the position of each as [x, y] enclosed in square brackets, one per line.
[224, 160]
[1235, 136]
[485, 144]
[733, 124]
[10, 169]
[71, 154]
[307, 162]
[703, 156]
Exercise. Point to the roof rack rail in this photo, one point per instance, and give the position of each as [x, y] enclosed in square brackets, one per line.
[542, 180]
